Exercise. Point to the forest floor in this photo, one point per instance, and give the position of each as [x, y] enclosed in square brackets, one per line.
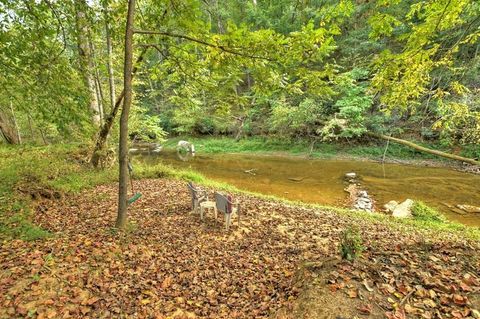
[282, 262]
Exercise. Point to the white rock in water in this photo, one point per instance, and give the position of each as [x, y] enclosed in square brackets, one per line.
[404, 209]
[351, 175]
[390, 206]
[363, 194]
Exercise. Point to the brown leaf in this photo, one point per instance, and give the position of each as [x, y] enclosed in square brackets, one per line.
[365, 309]
[167, 282]
[459, 300]
[352, 293]
[92, 300]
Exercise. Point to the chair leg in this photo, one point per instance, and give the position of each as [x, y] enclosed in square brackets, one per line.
[228, 219]
[201, 213]
[215, 213]
[195, 207]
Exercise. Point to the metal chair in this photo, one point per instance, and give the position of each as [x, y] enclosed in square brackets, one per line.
[228, 207]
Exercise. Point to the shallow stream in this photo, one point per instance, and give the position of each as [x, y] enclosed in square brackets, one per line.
[321, 181]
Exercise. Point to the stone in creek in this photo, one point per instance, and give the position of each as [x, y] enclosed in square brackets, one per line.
[469, 208]
[363, 194]
[390, 206]
[351, 175]
[404, 209]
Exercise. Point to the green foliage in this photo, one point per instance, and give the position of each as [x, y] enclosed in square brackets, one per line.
[321, 70]
[145, 125]
[352, 104]
[423, 212]
[351, 244]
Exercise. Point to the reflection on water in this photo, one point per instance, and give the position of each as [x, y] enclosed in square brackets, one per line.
[321, 181]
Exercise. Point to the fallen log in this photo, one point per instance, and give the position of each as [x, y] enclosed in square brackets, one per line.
[426, 150]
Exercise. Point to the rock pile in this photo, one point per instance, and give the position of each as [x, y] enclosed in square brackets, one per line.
[359, 197]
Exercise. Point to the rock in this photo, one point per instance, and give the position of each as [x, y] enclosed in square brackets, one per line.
[351, 175]
[469, 208]
[390, 206]
[363, 194]
[404, 209]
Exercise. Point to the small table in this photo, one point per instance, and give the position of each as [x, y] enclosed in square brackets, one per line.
[206, 205]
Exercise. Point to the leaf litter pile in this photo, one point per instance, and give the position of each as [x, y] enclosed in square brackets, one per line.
[282, 262]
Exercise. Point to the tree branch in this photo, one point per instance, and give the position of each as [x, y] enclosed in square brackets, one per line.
[212, 45]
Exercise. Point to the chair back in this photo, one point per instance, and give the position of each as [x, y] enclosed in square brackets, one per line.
[192, 189]
[223, 203]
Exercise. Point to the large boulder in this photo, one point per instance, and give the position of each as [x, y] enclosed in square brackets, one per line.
[404, 209]
[390, 206]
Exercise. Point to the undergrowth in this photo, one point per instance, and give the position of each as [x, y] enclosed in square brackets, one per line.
[351, 244]
[425, 213]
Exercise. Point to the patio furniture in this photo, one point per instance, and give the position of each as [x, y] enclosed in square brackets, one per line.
[206, 205]
[226, 205]
[198, 196]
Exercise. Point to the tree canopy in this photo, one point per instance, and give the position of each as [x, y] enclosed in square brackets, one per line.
[321, 70]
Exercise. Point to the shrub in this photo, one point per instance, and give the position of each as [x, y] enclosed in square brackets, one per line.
[351, 244]
[423, 212]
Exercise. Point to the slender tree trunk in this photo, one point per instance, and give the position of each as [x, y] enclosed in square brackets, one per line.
[107, 125]
[98, 84]
[7, 130]
[99, 91]
[111, 76]
[30, 126]
[44, 138]
[427, 150]
[15, 124]
[127, 101]
[86, 61]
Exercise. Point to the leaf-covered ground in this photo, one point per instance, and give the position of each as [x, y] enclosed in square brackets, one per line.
[169, 264]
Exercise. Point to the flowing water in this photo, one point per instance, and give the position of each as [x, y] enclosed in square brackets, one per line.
[321, 181]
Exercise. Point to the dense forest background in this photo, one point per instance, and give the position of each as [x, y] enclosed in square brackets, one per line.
[320, 70]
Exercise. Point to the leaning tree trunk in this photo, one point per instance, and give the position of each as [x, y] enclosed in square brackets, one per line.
[7, 130]
[427, 150]
[108, 123]
[127, 101]
[86, 60]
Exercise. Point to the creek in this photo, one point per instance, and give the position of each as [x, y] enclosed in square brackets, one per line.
[321, 181]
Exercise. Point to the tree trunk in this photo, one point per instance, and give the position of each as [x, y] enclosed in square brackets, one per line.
[86, 61]
[98, 84]
[107, 125]
[7, 130]
[127, 101]
[15, 124]
[111, 76]
[426, 150]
